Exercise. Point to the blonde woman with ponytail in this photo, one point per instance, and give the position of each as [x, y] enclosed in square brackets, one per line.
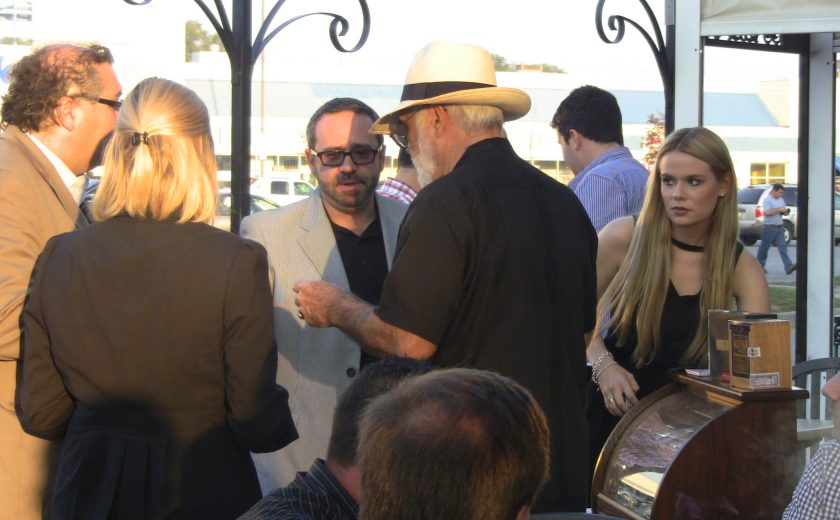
[148, 339]
[660, 273]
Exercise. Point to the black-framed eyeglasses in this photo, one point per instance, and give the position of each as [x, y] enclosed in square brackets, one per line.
[399, 131]
[107, 102]
[359, 156]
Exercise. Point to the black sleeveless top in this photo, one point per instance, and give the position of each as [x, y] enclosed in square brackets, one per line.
[680, 320]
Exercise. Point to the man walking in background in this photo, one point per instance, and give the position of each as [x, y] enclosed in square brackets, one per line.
[61, 104]
[773, 230]
[609, 182]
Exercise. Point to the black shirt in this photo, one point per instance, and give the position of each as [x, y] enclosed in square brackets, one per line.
[365, 264]
[495, 264]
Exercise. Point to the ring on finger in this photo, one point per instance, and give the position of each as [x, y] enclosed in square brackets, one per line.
[612, 401]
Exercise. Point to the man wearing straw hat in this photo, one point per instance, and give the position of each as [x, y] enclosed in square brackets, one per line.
[495, 261]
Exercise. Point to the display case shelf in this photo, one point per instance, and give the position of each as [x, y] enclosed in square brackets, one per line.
[697, 449]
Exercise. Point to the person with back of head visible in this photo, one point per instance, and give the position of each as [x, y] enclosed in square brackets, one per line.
[148, 342]
[330, 489]
[608, 180]
[61, 103]
[459, 444]
[405, 184]
[817, 495]
[343, 233]
[495, 263]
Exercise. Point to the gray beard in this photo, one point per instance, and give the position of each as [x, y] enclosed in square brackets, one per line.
[423, 177]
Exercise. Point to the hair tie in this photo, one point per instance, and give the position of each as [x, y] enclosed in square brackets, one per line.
[137, 138]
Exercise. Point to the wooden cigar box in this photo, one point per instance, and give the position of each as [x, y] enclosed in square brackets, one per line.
[760, 356]
[718, 333]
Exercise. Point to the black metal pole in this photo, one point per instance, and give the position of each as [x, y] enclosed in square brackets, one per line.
[241, 69]
[669, 80]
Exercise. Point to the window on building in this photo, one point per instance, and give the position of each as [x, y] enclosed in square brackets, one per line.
[288, 163]
[767, 173]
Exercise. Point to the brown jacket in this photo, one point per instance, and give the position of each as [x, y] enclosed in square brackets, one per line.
[35, 205]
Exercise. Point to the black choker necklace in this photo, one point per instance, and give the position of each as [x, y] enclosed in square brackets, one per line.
[686, 247]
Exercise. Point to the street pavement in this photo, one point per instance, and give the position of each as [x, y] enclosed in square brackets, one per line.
[776, 274]
[775, 269]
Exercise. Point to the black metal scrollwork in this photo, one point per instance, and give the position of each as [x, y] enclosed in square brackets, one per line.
[771, 40]
[617, 24]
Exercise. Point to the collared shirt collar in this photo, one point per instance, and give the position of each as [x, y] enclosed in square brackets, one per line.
[609, 155]
[321, 473]
[69, 178]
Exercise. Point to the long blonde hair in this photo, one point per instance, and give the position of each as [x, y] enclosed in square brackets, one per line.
[160, 163]
[635, 298]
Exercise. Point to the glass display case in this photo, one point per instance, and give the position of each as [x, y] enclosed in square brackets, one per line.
[695, 449]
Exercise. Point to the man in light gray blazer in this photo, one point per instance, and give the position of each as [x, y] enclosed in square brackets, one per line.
[344, 234]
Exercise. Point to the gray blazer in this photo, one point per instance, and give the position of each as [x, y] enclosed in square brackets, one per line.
[315, 365]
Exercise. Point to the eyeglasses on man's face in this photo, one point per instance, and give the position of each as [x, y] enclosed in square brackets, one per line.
[107, 102]
[359, 156]
[399, 130]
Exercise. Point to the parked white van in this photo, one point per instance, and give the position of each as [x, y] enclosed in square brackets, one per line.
[282, 188]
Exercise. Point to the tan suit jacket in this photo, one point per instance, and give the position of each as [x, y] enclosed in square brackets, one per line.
[35, 205]
[315, 365]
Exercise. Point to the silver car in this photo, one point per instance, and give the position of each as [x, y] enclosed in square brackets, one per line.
[751, 213]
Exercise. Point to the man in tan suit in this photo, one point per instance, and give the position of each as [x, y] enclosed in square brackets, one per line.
[345, 234]
[62, 102]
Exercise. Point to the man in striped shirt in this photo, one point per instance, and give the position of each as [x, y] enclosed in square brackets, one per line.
[405, 184]
[609, 182]
[330, 489]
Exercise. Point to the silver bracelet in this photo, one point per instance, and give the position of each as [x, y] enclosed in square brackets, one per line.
[600, 359]
[597, 376]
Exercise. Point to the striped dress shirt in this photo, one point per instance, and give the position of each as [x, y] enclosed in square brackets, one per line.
[610, 187]
[313, 495]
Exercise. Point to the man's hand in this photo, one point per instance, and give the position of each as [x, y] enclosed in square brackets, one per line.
[317, 300]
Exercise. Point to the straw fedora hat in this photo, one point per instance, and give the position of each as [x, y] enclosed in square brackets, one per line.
[447, 73]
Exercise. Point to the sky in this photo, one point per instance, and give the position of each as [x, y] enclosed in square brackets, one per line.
[559, 32]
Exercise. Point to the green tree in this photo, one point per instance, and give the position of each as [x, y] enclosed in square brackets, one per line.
[554, 69]
[9, 40]
[502, 65]
[197, 39]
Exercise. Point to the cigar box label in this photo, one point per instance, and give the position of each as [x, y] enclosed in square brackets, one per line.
[740, 343]
[722, 345]
[768, 380]
[753, 351]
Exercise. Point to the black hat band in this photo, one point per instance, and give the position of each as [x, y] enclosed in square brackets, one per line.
[438, 88]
